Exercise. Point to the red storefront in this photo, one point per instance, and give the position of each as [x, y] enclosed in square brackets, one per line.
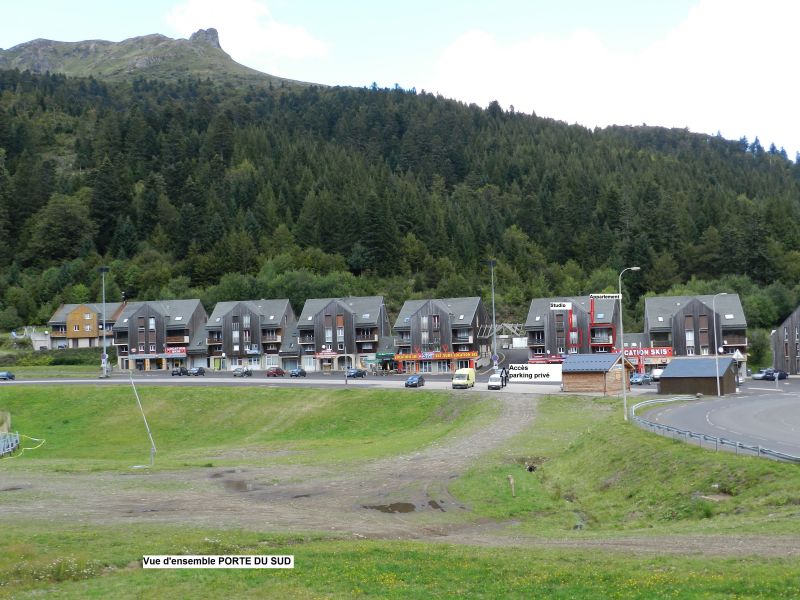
[647, 359]
[436, 362]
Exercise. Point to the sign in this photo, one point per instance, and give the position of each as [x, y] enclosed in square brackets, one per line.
[561, 306]
[534, 373]
[175, 350]
[325, 354]
[606, 296]
[436, 355]
[648, 352]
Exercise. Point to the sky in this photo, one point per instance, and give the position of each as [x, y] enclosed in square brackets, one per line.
[711, 66]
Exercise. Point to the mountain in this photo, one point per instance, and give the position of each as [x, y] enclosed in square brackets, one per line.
[152, 56]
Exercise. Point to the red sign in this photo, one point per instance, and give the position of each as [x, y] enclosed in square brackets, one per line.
[176, 350]
[326, 354]
[436, 355]
[648, 352]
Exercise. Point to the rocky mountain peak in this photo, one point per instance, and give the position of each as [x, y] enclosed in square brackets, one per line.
[206, 36]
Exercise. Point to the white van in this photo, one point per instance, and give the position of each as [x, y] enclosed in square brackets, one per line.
[464, 378]
[495, 381]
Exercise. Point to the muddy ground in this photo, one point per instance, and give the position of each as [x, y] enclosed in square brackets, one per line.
[402, 497]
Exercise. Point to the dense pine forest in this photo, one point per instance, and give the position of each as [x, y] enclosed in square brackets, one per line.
[189, 189]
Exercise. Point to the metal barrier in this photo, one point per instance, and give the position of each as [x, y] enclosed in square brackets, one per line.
[9, 442]
[718, 442]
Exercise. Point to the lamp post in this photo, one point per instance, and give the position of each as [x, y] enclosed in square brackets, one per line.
[492, 262]
[716, 344]
[104, 358]
[622, 344]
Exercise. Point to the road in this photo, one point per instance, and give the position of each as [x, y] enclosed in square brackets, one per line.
[762, 414]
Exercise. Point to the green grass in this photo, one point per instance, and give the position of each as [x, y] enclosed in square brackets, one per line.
[597, 474]
[54, 372]
[101, 562]
[100, 427]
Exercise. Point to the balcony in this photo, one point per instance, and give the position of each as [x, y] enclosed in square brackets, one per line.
[272, 338]
[306, 339]
[462, 339]
[214, 341]
[402, 341]
[661, 343]
[602, 339]
[177, 339]
[372, 337]
[734, 340]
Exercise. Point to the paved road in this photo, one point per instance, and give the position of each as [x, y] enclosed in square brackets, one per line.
[762, 414]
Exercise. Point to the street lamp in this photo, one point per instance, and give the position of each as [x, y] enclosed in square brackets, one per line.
[104, 358]
[492, 262]
[622, 343]
[716, 344]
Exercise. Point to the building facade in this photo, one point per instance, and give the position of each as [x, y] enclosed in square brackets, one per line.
[572, 325]
[161, 335]
[440, 336]
[248, 333]
[786, 344]
[81, 325]
[336, 333]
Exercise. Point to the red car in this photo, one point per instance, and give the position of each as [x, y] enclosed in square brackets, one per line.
[275, 372]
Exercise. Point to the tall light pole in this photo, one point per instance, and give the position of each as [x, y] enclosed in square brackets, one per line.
[716, 344]
[622, 344]
[104, 358]
[492, 262]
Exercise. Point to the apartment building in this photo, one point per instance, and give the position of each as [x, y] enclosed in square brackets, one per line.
[81, 325]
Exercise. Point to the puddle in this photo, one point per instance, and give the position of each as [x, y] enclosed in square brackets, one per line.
[435, 505]
[397, 507]
[238, 485]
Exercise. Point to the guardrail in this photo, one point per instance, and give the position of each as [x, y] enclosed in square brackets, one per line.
[9, 442]
[718, 442]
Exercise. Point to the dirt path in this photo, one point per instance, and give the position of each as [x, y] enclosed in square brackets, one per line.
[402, 497]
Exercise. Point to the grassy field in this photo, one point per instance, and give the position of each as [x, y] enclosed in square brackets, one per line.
[595, 478]
[597, 474]
[55, 372]
[100, 427]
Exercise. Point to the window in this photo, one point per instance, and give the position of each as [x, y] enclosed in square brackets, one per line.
[235, 322]
[152, 348]
[246, 334]
[87, 316]
[76, 327]
[435, 321]
[152, 323]
[246, 321]
[704, 350]
[443, 366]
[87, 327]
[340, 346]
[425, 366]
[573, 350]
[235, 336]
[689, 350]
[141, 347]
[340, 327]
[236, 347]
[660, 319]
[423, 322]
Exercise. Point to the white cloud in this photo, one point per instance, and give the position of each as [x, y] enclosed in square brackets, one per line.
[728, 67]
[247, 32]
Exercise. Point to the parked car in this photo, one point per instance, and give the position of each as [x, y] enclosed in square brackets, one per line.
[6, 376]
[641, 379]
[770, 374]
[353, 372]
[179, 371]
[275, 372]
[656, 374]
[297, 372]
[197, 371]
[242, 372]
[415, 381]
[495, 381]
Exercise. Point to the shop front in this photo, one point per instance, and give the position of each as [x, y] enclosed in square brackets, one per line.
[436, 362]
[645, 360]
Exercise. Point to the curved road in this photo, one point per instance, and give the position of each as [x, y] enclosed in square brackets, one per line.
[760, 415]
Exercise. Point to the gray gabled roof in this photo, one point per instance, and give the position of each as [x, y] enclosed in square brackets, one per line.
[179, 311]
[697, 367]
[462, 309]
[60, 316]
[366, 309]
[728, 306]
[540, 307]
[270, 311]
[601, 361]
[289, 345]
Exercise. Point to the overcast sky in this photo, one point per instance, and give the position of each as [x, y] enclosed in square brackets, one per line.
[727, 66]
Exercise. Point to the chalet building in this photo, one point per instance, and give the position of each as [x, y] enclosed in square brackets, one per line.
[687, 326]
[574, 325]
[786, 344]
[440, 336]
[336, 333]
[81, 325]
[161, 335]
[601, 373]
[699, 375]
[248, 333]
